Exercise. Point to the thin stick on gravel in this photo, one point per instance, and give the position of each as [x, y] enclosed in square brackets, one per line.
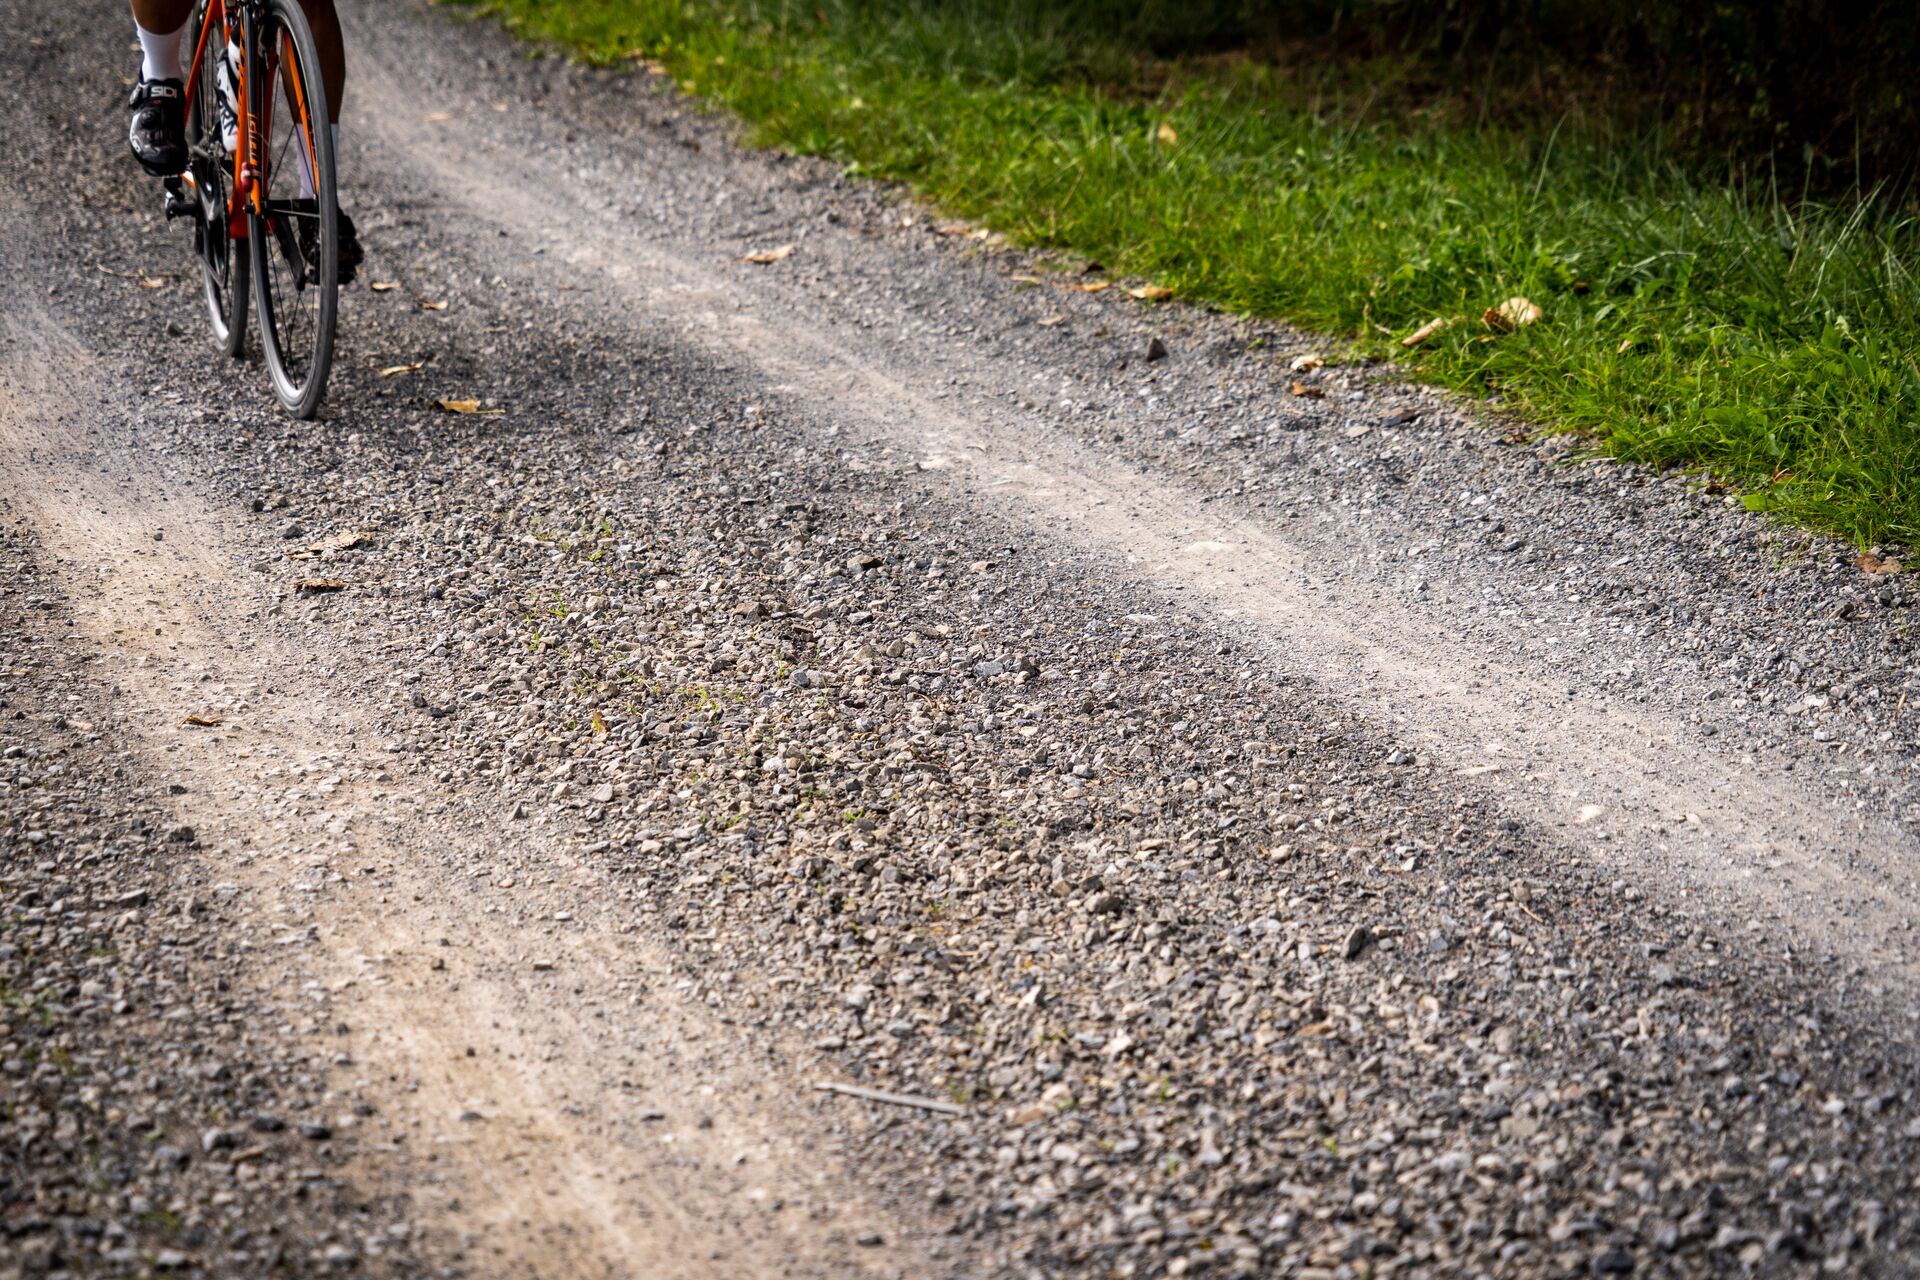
[894, 1099]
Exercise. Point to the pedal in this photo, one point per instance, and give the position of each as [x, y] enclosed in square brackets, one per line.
[178, 203]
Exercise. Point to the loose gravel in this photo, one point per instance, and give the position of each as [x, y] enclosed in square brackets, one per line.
[1222, 978]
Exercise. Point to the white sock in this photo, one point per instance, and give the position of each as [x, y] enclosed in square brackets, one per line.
[306, 168]
[160, 53]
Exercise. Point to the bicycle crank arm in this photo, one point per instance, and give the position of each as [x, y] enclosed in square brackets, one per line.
[179, 204]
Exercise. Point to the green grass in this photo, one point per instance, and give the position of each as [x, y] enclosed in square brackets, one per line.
[1688, 322]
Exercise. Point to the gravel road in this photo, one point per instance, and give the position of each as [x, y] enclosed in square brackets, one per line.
[1195, 826]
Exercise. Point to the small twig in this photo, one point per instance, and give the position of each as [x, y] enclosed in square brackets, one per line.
[893, 1099]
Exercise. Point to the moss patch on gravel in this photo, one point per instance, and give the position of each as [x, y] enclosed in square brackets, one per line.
[1685, 321]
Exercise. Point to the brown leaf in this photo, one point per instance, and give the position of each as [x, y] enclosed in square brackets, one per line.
[465, 406]
[766, 256]
[332, 542]
[202, 722]
[313, 586]
[1311, 393]
[395, 370]
[384, 286]
[953, 229]
[1427, 330]
[1878, 564]
[1306, 364]
[1151, 293]
[599, 723]
[432, 306]
[153, 282]
[1510, 315]
[1093, 286]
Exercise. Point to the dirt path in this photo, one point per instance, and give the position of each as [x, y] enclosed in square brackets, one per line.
[1262, 834]
[494, 993]
[1685, 806]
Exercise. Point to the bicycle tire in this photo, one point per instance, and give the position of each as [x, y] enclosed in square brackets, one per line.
[223, 267]
[295, 295]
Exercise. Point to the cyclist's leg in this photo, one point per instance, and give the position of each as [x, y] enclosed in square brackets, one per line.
[157, 131]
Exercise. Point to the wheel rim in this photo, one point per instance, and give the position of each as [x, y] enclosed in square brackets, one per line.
[296, 314]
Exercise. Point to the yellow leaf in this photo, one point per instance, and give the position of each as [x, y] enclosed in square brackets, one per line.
[395, 370]
[766, 256]
[465, 406]
[1310, 393]
[202, 722]
[153, 282]
[1306, 364]
[432, 306]
[1093, 286]
[1427, 330]
[1510, 315]
[384, 286]
[1151, 293]
[1166, 134]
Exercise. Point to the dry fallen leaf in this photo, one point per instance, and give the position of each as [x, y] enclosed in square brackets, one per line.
[439, 117]
[1510, 315]
[1093, 286]
[202, 722]
[332, 542]
[314, 586]
[1311, 393]
[1151, 293]
[395, 370]
[1306, 364]
[1166, 134]
[432, 306]
[1051, 321]
[1427, 330]
[953, 229]
[599, 723]
[153, 282]
[1878, 564]
[465, 406]
[384, 286]
[766, 256]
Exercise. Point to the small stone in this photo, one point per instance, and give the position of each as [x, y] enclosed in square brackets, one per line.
[1613, 1262]
[219, 1140]
[1156, 350]
[265, 1123]
[1358, 940]
[316, 1132]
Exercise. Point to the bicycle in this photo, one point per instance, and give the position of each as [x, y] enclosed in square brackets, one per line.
[229, 191]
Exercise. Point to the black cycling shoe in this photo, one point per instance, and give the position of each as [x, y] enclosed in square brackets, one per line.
[350, 254]
[158, 130]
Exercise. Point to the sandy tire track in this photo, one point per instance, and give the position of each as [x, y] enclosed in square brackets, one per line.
[553, 1103]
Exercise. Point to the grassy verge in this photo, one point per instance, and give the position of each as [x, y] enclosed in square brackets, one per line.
[1684, 322]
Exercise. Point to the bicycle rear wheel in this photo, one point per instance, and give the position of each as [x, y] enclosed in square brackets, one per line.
[294, 237]
[223, 265]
